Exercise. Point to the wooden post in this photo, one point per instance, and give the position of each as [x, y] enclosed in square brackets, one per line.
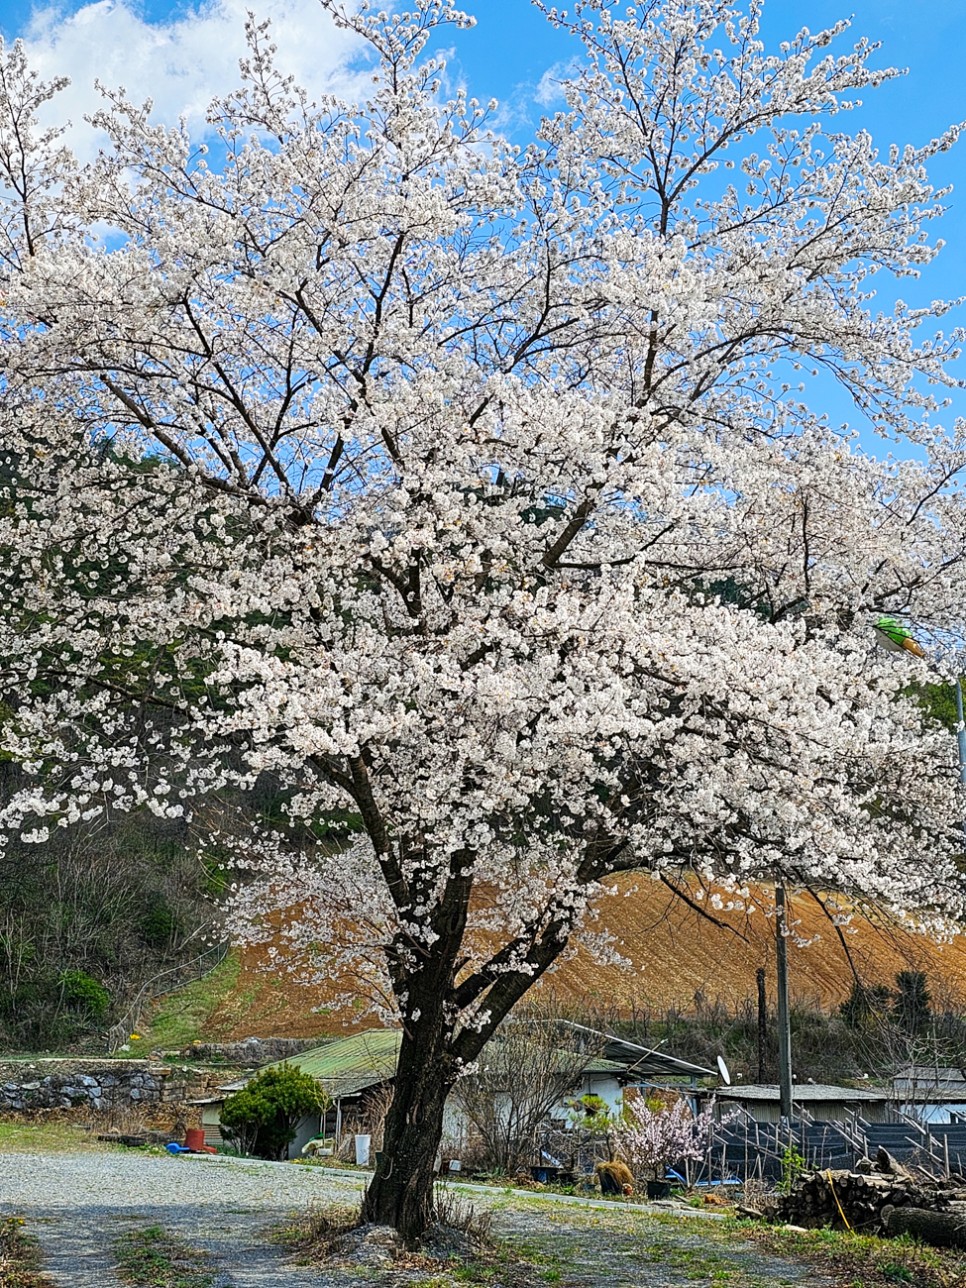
[762, 1021]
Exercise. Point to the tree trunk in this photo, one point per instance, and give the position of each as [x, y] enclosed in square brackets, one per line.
[941, 1229]
[401, 1192]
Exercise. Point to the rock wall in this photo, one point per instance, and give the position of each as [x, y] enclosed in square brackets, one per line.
[51, 1083]
[249, 1051]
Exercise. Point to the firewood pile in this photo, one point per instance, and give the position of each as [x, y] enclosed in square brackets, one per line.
[879, 1196]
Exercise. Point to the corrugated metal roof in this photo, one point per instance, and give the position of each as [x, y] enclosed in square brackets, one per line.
[639, 1061]
[350, 1065]
[801, 1091]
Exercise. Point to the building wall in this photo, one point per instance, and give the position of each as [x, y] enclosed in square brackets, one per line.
[211, 1124]
[823, 1111]
[456, 1127]
[936, 1111]
[311, 1125]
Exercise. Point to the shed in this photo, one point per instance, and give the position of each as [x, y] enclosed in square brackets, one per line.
[354, 1067]
[346, 1067]
[931, 1093]
[821, 1101]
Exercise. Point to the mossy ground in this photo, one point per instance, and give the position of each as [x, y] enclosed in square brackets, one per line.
[185, 1016]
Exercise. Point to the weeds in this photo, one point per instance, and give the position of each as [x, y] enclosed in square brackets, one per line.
[44, 1136]
[455, 1213]
[153, 1258]
[866, 1260]
[313, 1233]
[21, 1264]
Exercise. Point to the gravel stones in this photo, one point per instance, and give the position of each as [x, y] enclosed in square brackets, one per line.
[78, 1204]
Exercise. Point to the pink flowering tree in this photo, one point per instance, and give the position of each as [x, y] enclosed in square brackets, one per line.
[474, 498]
[654, 1137]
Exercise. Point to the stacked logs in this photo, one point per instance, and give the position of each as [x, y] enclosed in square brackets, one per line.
[878, 1197]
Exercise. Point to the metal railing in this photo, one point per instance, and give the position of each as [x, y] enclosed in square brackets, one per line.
[186, 973]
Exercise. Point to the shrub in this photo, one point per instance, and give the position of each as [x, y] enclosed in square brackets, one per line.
[82, 992]
[865, 1005]
[911, 1010]
[262, 1118]
[159, 925]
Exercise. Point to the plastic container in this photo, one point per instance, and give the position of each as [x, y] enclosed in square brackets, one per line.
[194, 1138]
[362, 1150]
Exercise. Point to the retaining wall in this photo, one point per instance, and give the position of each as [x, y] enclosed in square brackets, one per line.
[55, 1083]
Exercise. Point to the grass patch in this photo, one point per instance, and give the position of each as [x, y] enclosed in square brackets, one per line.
[153, 1258]
[625, 1247]
[21, 1264]
[866, 1261]
[43, 1137]
[182, 1017]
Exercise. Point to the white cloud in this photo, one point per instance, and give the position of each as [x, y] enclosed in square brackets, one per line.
[549, 91]
[180, 63]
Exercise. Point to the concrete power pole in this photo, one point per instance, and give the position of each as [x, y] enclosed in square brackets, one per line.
[784, 1021]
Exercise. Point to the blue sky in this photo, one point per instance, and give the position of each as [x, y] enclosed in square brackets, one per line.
[512, 46]
[181, 53]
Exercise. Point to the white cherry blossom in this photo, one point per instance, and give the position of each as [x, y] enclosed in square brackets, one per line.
[476, 497]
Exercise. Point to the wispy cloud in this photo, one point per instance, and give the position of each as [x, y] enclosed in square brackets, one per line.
[180, 63]
[549, 90]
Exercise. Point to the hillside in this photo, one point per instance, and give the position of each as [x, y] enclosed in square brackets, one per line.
[676, 956]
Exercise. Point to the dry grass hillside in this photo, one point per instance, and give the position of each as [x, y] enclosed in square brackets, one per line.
[675, 957]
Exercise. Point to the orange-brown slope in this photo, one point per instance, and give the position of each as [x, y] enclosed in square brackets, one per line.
[675, 956]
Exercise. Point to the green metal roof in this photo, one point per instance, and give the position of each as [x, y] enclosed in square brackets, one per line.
[350, 1065]
[347, 1066]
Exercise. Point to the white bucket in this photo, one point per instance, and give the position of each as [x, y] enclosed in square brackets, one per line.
[362, 1150]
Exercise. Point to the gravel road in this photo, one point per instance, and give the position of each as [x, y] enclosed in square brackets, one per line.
[78, 1204]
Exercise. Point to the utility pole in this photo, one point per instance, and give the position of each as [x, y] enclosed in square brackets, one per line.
[960, 732]
[784, 1022]
[762, 1021]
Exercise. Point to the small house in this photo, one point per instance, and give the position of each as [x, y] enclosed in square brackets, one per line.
[931, 1093]
[351, 1070]
[822, 1102]
[355, 1070]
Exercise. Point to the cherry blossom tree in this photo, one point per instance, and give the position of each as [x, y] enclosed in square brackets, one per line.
[656, 1137]
[475, 496]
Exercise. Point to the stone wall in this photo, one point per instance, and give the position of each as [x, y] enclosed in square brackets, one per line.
[51, 1083]
[249, 1051]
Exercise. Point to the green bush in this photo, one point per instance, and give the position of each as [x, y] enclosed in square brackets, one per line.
[82, 992]
[865, 1005]
[262, 1118]
[911, 1009]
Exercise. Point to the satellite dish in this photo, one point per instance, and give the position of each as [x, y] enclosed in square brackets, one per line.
[723, 1070]
[896, 638]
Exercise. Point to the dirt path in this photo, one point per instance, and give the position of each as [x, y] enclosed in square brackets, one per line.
[79, 1204]
[78, 1245]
